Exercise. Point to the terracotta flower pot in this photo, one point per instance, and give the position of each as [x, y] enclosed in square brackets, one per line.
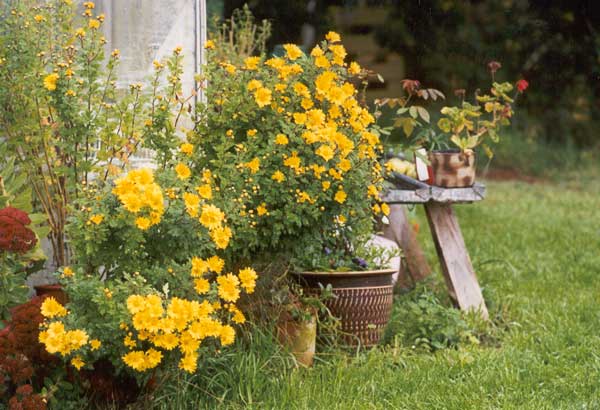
[453, 168]
[299, 337]
[363, 301]
[56, 291]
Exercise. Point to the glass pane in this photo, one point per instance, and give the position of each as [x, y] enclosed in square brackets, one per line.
[148, 30]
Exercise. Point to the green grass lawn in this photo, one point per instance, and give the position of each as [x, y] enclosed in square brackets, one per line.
[536, 251]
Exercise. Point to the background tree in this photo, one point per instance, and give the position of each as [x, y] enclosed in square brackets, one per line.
[554, 45]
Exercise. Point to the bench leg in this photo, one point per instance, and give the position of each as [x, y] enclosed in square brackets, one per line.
[414, 264]
[454, 258]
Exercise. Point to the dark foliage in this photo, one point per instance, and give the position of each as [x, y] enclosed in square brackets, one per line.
[555, 45]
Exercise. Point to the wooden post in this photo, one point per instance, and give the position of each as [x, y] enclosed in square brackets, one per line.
[454, 258]
[414, 267]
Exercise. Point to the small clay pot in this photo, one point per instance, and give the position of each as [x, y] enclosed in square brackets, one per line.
[56, 291]
[299, 337]
[453, 168]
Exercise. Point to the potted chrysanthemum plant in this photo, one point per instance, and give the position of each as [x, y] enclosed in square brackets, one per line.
[290, 138]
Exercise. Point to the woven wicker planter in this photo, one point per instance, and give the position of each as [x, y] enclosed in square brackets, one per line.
[363, 301]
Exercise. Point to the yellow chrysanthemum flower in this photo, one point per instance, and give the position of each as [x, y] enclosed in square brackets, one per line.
[314, 118]
[385, 209]
[333, 37]
[77, 362]
[228, 289]
[50, 81]
[253, 165]
[322, 62]
[262, 96]
[209, 45]
[192, 203]
[199, 267]
[293, 161]
[143, 223]
[248, 278]
[211, 216]
[254, 85]
[51, 308]
[183, 171]
[205, 191]
[325, 152]
[135, 303]
[227, 335]
[215, 264]
[186, 148]
[340, 196]
[202, 286]
[299, 118]
[221, 237]
[251, 63]
[293, 52]
[278, 176]
[189, 362]
[281, 139]
[354, 68]
[261, 209]
[97, 219]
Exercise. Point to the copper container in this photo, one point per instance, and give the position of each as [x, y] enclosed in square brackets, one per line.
[56, 291]
[453, 168]
[363, 301]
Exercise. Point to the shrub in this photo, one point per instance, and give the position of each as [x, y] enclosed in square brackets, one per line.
[24, 363]
[422, 320]
[289, 137]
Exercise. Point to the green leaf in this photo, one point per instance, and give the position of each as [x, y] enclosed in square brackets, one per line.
[413, 112]
[488, 151]
[424, 114]
[457, 141]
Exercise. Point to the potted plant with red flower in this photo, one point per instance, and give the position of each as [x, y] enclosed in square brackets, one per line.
[465, 126]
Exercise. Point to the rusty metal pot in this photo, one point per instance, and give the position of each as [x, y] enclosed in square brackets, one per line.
[453, 168]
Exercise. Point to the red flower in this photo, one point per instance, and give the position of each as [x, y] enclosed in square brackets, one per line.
[15, 236]
[410, 85]
[522, 85]
[494, 66]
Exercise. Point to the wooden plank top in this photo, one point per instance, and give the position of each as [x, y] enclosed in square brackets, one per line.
[427, 193]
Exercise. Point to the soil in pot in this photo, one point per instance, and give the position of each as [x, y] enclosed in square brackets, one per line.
[453, 168]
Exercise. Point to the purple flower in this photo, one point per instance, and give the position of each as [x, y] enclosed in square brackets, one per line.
[360, 262]
[327, 251]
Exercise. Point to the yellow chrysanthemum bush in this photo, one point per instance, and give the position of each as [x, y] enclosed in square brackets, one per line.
[290, 136]
[156, 287]
[152, 283]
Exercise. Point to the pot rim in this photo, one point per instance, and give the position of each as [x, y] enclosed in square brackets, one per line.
[449, 151]
[349, 273]
[48, 286]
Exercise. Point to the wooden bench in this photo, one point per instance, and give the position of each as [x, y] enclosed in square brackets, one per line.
[455, 262]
